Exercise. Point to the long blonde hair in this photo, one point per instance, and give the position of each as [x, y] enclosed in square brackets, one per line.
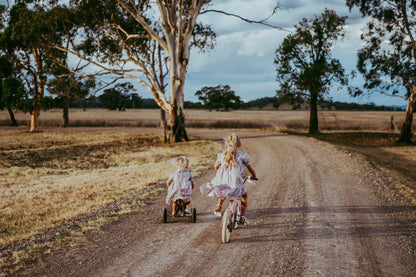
[232, 142]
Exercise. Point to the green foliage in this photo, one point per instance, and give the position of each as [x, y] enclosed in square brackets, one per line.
[303, 60]
[388, 59]
[13, 94]
[24, 41]
[119, 98]
[304, 64]
[71, 87]
[219, 97]
[105, 25]
[262, 102]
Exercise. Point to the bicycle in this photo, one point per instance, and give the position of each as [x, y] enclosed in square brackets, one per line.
[232, 215]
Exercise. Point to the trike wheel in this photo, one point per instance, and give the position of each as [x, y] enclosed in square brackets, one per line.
[226, 223]
[193, 215]
[164, 215]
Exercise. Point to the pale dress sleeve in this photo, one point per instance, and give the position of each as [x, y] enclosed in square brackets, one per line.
[171, 176]
[245, 158]
[219, 159]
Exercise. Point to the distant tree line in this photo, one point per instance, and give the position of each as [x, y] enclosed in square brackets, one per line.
[121, 102]
[342, 106]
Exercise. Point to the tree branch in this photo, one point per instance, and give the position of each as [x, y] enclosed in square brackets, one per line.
[138, 17]
[262, 22]
[394, 95]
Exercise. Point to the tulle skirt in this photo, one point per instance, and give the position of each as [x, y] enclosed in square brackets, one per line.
[223, 191]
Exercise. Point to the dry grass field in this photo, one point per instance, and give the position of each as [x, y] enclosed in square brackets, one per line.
[298, 120]
[49, 178]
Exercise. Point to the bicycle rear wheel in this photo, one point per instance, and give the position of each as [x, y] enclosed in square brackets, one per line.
[226, 226]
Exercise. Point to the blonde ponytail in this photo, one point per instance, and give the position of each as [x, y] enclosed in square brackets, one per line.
[232, 142]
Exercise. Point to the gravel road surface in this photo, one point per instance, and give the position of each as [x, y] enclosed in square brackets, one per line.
[316, 210]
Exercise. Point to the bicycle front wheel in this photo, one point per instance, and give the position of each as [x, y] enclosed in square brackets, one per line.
[226, 224]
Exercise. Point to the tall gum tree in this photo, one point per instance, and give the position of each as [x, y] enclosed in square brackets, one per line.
[178, 22]
[115, 40]
[388, 60]
[119, 37]
[23, 40]
[304, 65]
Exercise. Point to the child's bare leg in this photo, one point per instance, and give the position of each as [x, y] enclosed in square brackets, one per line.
[189, 205]
[219, 205]
[244, 203]
[173, 208]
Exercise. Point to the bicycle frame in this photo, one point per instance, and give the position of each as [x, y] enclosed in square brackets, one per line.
[235, 208]
[231, 217]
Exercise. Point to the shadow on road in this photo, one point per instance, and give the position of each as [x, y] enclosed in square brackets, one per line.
[300, 223]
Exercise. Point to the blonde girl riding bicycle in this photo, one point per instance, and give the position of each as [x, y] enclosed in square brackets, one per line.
[228, 181]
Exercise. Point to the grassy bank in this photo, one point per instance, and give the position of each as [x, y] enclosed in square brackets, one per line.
[48, 178]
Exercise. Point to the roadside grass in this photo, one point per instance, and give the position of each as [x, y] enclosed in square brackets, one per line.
[382, 150]
[47, 179]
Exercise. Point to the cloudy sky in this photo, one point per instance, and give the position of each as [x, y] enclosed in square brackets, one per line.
[244, 53]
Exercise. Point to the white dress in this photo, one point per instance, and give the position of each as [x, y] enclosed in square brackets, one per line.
[180, 187]
[228, 181]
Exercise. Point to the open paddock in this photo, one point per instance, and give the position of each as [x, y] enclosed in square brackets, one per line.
[284, 120]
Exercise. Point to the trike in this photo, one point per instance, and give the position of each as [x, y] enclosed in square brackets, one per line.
[179, 212]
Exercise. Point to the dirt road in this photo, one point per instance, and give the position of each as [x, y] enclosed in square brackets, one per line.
[315, 211]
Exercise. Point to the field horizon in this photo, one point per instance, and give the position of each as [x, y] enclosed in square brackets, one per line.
[282, 119]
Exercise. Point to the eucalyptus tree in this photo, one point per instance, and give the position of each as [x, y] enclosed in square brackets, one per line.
[219, 97]
[305, 68]
[136, 39]
[63, 83]
[23, 40]
[388, 58]
[117, 97]
[69, 87]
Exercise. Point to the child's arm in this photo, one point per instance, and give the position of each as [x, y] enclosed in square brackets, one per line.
[252, 171]
[170, 180]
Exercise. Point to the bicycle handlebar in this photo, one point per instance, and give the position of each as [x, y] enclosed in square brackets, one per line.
[250, 179]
